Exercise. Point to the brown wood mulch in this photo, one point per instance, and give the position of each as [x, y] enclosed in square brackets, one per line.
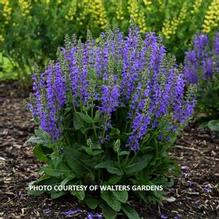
[194, 195]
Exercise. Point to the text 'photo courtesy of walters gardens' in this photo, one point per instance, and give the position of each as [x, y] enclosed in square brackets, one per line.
[96, 187]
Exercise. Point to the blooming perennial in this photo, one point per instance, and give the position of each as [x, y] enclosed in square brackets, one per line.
[203, 60]
[112, 74]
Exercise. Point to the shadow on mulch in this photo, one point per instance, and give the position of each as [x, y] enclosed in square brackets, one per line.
[194, 195]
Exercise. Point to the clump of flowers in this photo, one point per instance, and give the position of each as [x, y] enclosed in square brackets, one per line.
[211, 19]
[202, 67]
[108, 110]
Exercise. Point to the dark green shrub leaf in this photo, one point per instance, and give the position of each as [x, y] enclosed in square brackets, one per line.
[213, 125]
[116, 146]
[50, 171]
[122, 196]
[38, 152]
[55, 169]
[109, 166]
[92, 152]
[114, 180]
[91, 202]
[85, 117]
[57, 194]
[138, 164]
[109, 198]
[130, 212]
[34, 140]
[74, 159]
[79, 194]
[67, 179]
[78, 124]
[108, 212]
[97, 116]
[122, 153]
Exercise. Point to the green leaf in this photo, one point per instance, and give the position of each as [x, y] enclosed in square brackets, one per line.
[57, 194]
[114, 180]
[108, 212]
[116, 145]
[122, 196]
[109, 198]
[50, 171]
[122, 153]
[109, 166]
[79, 194]
[78, 124]
[85, 117]
[60, 170]
[67, 179]
[97, 116]
[130, 212]
[42, 134]
[138, 164]
[92, 152]
[115, 132]
[213, 125]
[38, 152]
[42, 137]
[34, 140]
[91, 202]
[75, 161]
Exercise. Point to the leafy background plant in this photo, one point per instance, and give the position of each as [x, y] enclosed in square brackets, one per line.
[30, 31]
[201, 67]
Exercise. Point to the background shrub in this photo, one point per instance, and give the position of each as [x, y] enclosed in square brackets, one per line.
[30, 30]
[202, 68]
[108, 112]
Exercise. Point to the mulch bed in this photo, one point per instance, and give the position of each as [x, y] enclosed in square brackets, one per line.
[194, 195]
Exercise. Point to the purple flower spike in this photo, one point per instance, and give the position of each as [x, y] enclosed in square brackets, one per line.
[200, 44]
[110, 99]
[216, 44]
[203, 60]
[115, 75]
[207, 68]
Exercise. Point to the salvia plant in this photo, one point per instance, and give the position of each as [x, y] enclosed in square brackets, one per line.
[202, 68]
[108, 111]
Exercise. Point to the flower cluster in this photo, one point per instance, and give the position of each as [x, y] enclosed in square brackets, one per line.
[170, 26]
[98, 12]
[211, 19]
[25, 7]
[114, 74]
[203, 60]
[137, 14]
[7, 11]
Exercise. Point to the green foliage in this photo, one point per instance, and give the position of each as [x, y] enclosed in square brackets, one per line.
[84, 161]
[213, 125]
[30, 31]
[208, 97]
